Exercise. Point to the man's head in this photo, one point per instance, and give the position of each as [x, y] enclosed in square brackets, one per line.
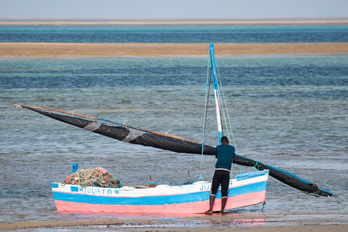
[224, 140]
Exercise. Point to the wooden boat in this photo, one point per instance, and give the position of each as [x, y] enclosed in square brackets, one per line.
[244, 190]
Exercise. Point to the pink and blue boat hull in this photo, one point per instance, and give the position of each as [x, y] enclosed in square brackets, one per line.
[244, 190]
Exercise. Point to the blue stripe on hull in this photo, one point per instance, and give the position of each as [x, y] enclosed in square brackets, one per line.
[156, 200]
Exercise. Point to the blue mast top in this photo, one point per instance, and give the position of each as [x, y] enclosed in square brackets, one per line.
[216, 92]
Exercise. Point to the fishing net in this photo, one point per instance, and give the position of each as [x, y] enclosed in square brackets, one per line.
[97, 177]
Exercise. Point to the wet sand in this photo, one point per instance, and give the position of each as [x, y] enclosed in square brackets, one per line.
[229, 222]
[163, 49]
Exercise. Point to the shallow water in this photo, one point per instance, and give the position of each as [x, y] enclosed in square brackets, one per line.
[289, 111]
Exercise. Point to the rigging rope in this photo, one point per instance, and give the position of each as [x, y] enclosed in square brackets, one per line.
[225, 111]
[60, 111]
[338, 203]
[225, 114]
[223, 107]
[207, 85]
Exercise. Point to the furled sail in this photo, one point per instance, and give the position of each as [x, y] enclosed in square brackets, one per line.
[126, 133]
[285, 177]
[135, 135]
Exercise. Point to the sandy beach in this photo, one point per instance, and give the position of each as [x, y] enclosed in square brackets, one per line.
[228, 222]
[155, 49]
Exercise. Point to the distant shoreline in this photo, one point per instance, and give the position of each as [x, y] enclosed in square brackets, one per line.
[168, 22]
[164, 49]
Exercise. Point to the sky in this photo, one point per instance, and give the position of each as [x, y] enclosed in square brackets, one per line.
[160, 9]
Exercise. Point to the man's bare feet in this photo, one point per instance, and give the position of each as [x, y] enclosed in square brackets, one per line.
[208, 212]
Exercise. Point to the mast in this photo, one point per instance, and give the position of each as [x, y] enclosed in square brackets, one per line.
[216, 92]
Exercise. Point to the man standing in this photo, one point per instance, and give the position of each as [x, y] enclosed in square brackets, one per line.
[224, 154]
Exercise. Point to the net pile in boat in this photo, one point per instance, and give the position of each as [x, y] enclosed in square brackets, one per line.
[97, 177]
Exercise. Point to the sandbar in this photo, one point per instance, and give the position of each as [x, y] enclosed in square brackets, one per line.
[164, 49]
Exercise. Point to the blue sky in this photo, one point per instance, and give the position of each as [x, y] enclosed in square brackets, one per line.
[172, 9]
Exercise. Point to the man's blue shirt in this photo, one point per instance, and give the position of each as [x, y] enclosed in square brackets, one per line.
[225, 155]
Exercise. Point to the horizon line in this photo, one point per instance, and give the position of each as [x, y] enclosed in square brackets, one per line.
[176, 21]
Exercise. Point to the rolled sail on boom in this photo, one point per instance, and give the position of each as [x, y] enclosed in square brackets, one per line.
[136, 135]
[126, 133]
